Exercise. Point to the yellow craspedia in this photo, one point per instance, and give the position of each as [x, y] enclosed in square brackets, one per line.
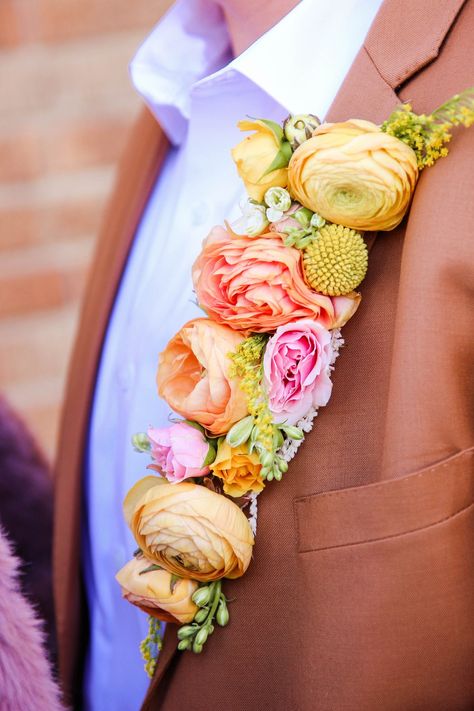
[336, 262]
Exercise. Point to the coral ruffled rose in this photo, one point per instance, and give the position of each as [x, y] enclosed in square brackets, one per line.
[296, 370]
[193, 375]
[354, 174]
[258, 285]
[156, 593]
[239, 470]
[179, 451]
[254, 155]
[189, 530]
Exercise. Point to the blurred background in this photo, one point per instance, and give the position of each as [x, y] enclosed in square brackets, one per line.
[65, 108]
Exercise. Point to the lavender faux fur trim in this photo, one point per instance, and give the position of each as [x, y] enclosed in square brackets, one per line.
[26, 683]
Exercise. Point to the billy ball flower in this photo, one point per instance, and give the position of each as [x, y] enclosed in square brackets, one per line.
[336, 262]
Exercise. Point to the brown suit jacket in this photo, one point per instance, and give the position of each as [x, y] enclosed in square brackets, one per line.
[360, 594]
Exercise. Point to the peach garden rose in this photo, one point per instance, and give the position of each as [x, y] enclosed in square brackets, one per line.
[354, 174]
[258, 285]
[193, 375]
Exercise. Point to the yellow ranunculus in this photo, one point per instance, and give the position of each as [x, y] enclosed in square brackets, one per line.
[254, 155]
[155, 591]
[239, 470]
[355, 175]
[188, 529]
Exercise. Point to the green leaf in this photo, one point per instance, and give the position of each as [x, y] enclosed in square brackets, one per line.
[281, 159]
[211, 455]
[150, 568]
[173, 582]
[274, 127]
[196, 426]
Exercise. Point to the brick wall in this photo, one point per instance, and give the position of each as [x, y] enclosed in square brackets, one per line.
[66, 104]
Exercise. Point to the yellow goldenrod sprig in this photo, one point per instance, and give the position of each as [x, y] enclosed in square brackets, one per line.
[152, 645]
[427, 135]
[247, 364]
[258, 428]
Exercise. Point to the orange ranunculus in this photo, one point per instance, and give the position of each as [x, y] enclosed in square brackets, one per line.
[258, 285]
[188, 529]
[355, 175]
[193, 375]
[239, 470]
[254, 155]
[156, 592]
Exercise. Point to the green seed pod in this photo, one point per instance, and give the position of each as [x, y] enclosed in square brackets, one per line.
[186, 631]
[201, 636]
[184, 644]
[201, 596]
[201, 615]
[222, 615]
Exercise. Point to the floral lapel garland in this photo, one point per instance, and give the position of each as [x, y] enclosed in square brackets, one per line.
[277, 286]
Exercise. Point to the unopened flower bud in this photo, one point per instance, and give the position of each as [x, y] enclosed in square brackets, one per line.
[270, 475]
[253, 221]
[277, 438]
[292, 432]
[197, 648]
[140, 442]
[186, 631]
[222, 615]
[240, 432]
[304, 217]
[317, 221]
[277, 474]
[266, 459]
[202, 596]
[299, 128]
[282, 465]
[184, 644]
[201, 615]
[201, 636]
[278, 199]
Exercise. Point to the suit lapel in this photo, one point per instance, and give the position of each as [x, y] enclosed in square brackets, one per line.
[136, 177]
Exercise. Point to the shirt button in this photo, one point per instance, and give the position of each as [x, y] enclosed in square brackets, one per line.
[126, 376]
[199, 212]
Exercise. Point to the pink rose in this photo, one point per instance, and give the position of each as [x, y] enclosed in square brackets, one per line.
[179, 451]
[296, 369]
[258, 284]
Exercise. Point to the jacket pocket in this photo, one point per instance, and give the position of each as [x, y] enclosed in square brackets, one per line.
[389, 508]
[387, 579]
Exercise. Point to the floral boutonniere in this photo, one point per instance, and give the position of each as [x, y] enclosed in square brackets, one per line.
[277, 286]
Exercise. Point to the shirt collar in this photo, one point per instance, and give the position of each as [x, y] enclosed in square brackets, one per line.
[300, 62]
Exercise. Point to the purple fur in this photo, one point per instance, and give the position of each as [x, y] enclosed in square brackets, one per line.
[26, 683]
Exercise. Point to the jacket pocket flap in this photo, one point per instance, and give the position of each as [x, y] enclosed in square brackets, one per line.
[385, 509]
